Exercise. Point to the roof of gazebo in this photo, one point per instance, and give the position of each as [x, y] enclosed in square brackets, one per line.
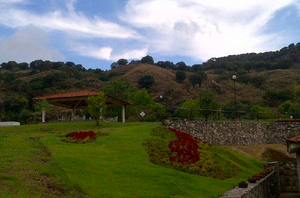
[78, 99]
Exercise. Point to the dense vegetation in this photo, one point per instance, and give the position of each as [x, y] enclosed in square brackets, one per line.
[267, 83]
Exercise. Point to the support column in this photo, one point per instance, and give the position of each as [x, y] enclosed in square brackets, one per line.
[123, 114]
[43, 115]
[73, 114]
[298, 167]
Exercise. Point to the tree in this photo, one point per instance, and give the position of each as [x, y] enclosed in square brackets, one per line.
[122, 61]
[297, 93]
[146, 81]
[295, 110]
[114, 65]
[180, 76]
[191, 110]
[207, 103]
[260, 112]
[147, 60]
[97, 107]
[70, 64]
[198, 78]
[143, 101]
[181, 66]
[166, 64]
[23, 66]
[284, 107]
[42, 104]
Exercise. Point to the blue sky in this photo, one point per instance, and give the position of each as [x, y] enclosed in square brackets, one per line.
[97, 33]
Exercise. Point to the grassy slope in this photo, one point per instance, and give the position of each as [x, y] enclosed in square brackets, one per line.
[114, 166]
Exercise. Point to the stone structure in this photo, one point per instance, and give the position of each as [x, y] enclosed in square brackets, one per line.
[288, 176]
[7, 124]
[267, 187]
[237, 133]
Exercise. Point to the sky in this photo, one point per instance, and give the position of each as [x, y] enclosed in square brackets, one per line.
[96, 33]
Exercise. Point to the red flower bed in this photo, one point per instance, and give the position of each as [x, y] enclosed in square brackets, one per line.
[184, 149]
[81, 135]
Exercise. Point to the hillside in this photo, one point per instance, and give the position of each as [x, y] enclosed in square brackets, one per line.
[265, 79]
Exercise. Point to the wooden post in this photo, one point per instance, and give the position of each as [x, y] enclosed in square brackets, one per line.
[43, 115]
[123, 114]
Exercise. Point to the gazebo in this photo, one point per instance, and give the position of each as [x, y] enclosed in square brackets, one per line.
[78, 100]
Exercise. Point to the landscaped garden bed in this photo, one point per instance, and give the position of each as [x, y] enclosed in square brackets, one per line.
[180, 151]
[80, 137]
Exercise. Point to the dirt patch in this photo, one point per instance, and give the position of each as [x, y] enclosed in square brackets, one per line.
[274, 155]
[265, 152]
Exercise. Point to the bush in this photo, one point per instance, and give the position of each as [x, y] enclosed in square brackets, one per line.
[146, 81]
[180, 76]
[258, 81]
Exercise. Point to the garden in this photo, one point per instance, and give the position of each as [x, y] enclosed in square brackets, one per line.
[115, 160]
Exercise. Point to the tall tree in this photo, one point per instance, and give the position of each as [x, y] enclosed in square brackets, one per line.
[97, 107]
[208, 104]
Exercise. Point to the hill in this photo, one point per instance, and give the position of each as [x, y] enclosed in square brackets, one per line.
[265, 79]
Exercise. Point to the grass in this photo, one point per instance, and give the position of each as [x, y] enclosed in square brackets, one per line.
[34, 162]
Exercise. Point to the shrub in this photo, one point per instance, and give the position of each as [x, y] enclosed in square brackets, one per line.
[180, 76]
[146, 81]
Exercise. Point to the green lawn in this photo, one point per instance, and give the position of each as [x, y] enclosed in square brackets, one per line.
[113, 166]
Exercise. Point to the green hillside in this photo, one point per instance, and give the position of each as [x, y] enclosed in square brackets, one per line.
[116, 165]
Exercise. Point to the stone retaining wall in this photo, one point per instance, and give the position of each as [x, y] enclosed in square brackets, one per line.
[237, 133]
[265, 188]
[288, 176]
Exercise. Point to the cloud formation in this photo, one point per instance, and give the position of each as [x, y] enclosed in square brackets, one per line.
[107, 53]
[187, 28]
[28, 44]
[206, 28]
[69, 22]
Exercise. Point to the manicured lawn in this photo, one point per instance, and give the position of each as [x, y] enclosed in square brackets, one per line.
[116, 165]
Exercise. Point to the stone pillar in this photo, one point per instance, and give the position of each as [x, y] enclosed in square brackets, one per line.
[43, 115]
[123, 114]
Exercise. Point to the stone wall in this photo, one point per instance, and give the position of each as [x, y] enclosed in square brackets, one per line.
[237, 133]
[288, 176]
[267, 187]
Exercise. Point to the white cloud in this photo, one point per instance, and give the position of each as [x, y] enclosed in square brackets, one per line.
[206, 28]
[26, 45]
[106, 53]
[71, 22]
